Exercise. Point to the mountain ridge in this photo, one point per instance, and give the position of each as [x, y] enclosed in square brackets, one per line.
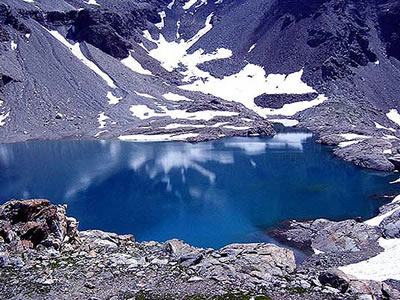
[135, 52]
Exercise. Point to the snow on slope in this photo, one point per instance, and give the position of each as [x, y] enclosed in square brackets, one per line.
[242, 87]
[135, 66]
[394, 116]
[385, 265]
[143, 112]
[76, 51]
[157, 137]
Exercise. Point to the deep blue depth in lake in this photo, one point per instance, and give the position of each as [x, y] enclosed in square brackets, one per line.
[208, 194]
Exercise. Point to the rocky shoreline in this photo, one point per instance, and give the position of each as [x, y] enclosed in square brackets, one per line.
[43, 255]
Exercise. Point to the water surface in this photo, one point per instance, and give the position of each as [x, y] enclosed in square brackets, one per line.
[208, 194]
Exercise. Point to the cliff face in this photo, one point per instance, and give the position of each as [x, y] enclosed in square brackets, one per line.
[70, 69]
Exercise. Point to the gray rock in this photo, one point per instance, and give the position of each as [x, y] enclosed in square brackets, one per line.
[328, 236]
[264, 258]
[183, 253]
[347, 235]
[195, 279]
[391, 225]
[367, 154]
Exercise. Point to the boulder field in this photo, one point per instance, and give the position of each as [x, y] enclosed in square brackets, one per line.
[43, 255]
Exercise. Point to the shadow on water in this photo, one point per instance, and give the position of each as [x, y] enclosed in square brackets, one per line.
[208, 194]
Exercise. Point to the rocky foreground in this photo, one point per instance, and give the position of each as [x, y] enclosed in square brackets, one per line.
[44, 256]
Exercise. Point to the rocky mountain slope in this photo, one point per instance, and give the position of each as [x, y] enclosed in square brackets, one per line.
[198, 70]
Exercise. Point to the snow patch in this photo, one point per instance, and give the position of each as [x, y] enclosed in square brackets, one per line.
[177, 125]
[175, 97]
[353, 136]
[386, 265]
[145, 95]
[170, 54]
[237, 127]
[394, 116]
[171, 4]
[348, 143]
[162, 23]
[102, 120]
[390, 137]
[251, 82]
[285, 122]
[112, 99]
[242, 87]
[379, 126]
[387, 151]
[316, 251]
[99, 133]
[135, 66]
[352, 139]
[76, 51]
[144, 112]
[202, 2]
[252, 48]
[189, 4]
[92, 2]
[376, 221]
[157, 137]
[13, 45]
[3, 118]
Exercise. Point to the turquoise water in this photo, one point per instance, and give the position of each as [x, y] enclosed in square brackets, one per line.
[208, 194]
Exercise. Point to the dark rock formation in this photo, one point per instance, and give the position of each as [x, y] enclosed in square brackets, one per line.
[30, 223]
[279, 100]
[4, 79]
[96, 28]
[335, 279]
[389, 21]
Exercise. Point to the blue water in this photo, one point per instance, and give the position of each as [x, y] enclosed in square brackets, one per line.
[208, 194]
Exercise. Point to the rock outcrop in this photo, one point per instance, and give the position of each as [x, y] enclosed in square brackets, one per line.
[36, 223]
[328, 236]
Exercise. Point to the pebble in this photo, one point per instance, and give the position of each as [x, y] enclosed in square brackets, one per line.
[48, 282]
[195, 279]
[89, 285]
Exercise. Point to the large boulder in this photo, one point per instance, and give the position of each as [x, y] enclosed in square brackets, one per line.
[336, 279]
[328, 236]
[342, 236]
[183, 253]
[391, 225]
[34, 222]
[96, 239]
[265, 261]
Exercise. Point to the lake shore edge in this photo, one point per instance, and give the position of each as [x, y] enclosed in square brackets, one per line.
[43, 255]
